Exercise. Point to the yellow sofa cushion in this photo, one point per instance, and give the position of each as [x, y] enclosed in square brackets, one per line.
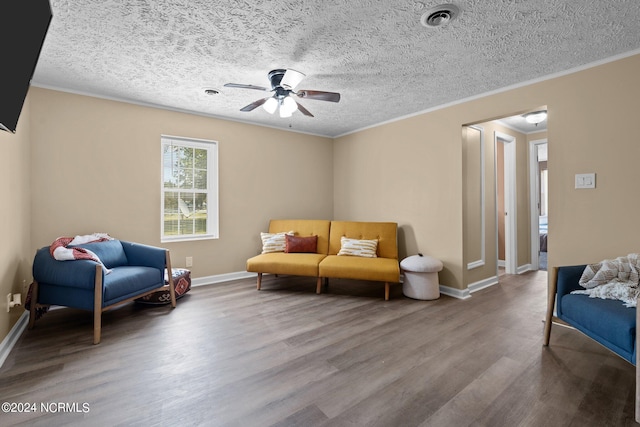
[295, 264]
[352, 267]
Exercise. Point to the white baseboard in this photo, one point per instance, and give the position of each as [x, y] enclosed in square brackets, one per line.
[10, 340]
[466, 293]
[221, 278]
[524, 268]
[483, 284]
[455, 293]
[519, 270]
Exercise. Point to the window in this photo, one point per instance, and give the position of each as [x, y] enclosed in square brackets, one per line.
[189, 189]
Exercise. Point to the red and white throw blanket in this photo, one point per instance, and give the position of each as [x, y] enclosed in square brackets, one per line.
[61, 251]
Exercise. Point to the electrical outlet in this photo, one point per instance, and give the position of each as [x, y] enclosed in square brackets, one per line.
[13, 300]
[189, 261]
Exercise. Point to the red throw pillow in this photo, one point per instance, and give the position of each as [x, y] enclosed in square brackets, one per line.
[295, 244]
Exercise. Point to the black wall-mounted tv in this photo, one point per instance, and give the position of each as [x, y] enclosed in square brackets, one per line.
[23, 27]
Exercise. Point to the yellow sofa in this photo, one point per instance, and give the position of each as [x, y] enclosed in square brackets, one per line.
[326, 263]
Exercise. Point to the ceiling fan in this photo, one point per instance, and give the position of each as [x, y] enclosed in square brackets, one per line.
[283, 84]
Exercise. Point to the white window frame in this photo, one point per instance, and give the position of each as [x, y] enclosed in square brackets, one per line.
[212, 227]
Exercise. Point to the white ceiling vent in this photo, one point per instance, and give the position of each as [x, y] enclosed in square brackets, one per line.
[438, 16]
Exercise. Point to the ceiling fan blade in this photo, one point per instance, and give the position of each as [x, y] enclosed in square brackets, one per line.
[319, 95]
[241, 86]
[291, 79]
[304, 110]
[254, 105]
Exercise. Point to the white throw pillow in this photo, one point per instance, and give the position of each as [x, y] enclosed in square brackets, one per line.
[355, 247]
[274, 242]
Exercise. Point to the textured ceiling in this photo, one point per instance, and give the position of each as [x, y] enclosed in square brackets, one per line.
[375, 53]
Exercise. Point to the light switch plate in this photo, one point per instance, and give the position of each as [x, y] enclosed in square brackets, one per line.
[585, 180]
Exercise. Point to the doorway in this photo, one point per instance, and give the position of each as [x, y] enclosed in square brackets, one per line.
[497, 222]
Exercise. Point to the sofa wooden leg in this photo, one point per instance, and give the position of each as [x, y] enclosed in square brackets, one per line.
[551, 301]
[386, 291]
[259, 284]
[97, 305]
[34, 302]
[319, 286]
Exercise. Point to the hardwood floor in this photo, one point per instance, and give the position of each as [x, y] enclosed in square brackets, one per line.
[229, 355]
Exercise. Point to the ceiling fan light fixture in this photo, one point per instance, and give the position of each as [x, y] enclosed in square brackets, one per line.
[284, 113]
[271, 105]
[288, 107]
[291, 79]
[535, 117]
[283, 81]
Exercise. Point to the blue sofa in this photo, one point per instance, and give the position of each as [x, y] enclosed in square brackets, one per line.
[608, 322]
[136, 270]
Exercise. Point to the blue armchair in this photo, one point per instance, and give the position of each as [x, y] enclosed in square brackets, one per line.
[608, 322]
[136, 270]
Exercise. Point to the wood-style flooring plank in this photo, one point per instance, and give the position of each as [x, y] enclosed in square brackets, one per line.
[229, 355]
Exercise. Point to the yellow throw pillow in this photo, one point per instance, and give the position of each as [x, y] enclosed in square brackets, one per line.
[274, 242]
[355, 247]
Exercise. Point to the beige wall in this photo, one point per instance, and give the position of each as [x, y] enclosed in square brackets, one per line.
[594, 128]
[96, 168]
[15, 188]
[408, 172]
[411, 170]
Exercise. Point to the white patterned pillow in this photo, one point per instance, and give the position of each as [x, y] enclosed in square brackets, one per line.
[356, 247]
[274, 242]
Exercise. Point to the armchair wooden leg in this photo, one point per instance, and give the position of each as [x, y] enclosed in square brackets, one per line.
[386, 291]
[34, 302]
[172, 285]
[551, 302]
[97, 305]
[259, 284]
[637, 366]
